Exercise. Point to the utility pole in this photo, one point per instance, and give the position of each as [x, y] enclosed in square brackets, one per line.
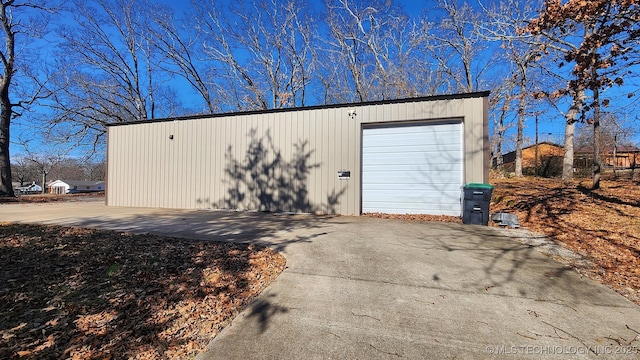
[536, 154]
[615, 157]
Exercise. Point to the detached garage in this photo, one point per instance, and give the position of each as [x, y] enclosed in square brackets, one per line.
[401, 156]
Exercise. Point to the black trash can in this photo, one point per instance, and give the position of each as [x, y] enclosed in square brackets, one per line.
[476, 201]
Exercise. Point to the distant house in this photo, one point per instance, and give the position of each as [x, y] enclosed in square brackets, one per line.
[549, 159]
[75, 186]
[32, 188]
[626, 157]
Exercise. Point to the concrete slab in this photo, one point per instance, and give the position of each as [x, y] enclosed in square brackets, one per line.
[372, 288]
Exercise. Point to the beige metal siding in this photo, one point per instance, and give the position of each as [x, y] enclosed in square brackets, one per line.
[195, 168]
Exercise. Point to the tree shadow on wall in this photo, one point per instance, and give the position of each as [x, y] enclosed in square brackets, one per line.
[264, 180]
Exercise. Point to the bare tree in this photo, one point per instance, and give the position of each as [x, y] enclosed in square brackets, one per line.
[457, 45]
[259, 50]
[520, 51]
[23, 170]
[500, 104]
[614, 131]
[68, 168]
[357, 34]
[184, 56]
[21, 22]
[373, 51]
[95, 170]
[113, 73]
[43, 159]
[44, 164]
[56, 166]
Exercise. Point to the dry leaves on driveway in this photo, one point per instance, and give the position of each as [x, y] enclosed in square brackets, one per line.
[68, 292]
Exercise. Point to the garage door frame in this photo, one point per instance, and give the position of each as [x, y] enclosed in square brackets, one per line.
[419, 123]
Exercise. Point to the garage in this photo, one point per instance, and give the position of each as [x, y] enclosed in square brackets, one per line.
[412, 169]
[394, 156]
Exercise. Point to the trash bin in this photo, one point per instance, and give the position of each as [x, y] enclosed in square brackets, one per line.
[476, 201]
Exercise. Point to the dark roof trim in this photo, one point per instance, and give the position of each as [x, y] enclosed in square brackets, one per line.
[470, 95]
[609, 149]
[533, 146]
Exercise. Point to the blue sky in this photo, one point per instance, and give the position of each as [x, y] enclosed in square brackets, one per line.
[550, 123]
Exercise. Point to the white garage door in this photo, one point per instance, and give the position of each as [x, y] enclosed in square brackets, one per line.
[414, 169]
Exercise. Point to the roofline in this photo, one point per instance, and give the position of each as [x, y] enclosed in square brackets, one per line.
[534, 145]
[68, 182]
[469, 95]
[631, 149]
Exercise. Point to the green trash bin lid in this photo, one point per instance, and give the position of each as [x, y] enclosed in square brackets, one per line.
[478, 186]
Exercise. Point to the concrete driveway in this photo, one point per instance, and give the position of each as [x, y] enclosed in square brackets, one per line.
[361, 288]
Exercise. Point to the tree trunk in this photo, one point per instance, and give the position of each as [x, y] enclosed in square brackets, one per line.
[519, 139]
[571, 117]
[567, 160]
[594, 86]
[6, 188]
[501, 131]
[615, 155]
[537, 155]
[597, 160]
[521, 112]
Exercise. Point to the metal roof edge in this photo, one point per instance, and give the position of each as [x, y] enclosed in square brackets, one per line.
[477, 94]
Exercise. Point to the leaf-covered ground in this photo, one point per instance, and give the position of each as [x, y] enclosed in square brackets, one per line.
[76, 293]
[601, 225]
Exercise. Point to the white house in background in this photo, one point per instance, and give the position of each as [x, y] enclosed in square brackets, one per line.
[75, 186]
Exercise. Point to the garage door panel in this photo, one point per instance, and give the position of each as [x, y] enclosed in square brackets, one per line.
[410, 208]
[413, 129]
[407, 149]
[383, 168]
[399, 182]
[441, 137]
[413, 179]
[417, 194]
[437, 144]
[426, 197]
[412, 169]
[401, 170]
[427, 203]
[418, 162]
